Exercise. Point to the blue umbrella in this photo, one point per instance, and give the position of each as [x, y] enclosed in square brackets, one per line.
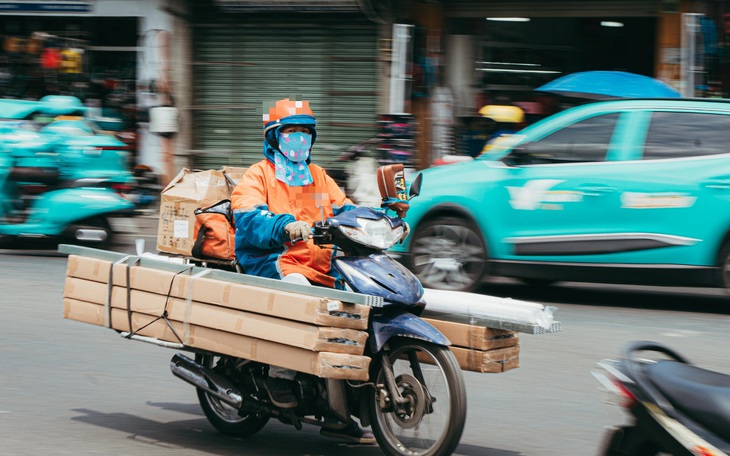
[609, 84]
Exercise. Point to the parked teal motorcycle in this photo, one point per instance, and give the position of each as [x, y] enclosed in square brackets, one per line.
[61, 180]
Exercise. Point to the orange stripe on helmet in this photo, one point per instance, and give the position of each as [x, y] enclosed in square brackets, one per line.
[286, 107]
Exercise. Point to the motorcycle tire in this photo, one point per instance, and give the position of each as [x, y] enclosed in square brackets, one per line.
[226, 418]
[628, 441]
[430, 378]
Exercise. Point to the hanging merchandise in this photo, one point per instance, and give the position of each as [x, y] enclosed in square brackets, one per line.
[51, 58]
[71, 61]
[398, 143]
[35, 44]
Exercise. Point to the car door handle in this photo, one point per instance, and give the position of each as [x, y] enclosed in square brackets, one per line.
[717, 183]
[596, 190]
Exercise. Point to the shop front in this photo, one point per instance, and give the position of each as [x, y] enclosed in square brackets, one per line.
[518, 46]
[246, 55]
[95, 50]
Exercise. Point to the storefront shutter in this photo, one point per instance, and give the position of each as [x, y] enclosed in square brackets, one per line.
[237, 67]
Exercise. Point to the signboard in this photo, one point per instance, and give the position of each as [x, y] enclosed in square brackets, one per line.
[35, 6]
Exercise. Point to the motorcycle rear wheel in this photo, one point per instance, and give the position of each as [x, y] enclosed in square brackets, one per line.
[429, 376]
[628, 441]
[224, 417]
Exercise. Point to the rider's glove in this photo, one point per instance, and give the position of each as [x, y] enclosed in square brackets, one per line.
[298, 231]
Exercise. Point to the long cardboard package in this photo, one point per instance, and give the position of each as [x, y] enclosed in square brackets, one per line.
[310, 337]
[322, 364]
[283, 304]
[480, 349]
[473, 336]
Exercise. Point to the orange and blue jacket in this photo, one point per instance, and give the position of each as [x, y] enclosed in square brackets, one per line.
[263, 206]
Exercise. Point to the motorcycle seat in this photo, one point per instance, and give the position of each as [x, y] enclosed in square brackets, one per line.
[700, 394]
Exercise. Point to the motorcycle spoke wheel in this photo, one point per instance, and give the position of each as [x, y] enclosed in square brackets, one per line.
[223, 416]
[432, 419]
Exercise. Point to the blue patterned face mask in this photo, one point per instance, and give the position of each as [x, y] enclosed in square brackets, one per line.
[290, 164]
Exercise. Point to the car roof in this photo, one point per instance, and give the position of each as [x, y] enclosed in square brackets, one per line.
[684, 103]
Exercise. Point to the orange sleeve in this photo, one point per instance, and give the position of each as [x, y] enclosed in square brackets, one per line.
[251, 190]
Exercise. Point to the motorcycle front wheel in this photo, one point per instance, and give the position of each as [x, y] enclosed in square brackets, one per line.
[224, 417]
[431, 419]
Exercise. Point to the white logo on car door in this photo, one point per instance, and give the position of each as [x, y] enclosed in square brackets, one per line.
[537, 192]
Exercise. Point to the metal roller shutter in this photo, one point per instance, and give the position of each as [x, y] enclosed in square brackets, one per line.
[239, 67]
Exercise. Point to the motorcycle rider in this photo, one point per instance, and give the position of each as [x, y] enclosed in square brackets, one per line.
[275, 204]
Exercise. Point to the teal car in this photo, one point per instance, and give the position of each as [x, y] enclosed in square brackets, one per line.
[620, 191]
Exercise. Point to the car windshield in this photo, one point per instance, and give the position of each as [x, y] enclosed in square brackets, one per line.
[501, 145]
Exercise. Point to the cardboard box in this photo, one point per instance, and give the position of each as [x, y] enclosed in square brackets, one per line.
[187, 192]
[310, 337]
[473, 336]
[488, 361]
[483, 361]
[293, 306]
[307, 336]
[322, 364]
[234, 173]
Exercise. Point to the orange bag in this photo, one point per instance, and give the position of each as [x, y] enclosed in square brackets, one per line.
[215, 232]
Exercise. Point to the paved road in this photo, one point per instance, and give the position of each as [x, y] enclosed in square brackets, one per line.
[68, 388]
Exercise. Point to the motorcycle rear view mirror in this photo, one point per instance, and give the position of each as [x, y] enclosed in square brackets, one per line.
[416, 186]
[392, 187]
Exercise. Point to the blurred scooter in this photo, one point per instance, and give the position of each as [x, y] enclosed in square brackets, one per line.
[59, 181]
[676, 407]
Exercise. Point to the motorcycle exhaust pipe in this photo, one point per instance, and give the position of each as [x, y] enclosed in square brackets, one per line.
[205, 379]
[85, 234]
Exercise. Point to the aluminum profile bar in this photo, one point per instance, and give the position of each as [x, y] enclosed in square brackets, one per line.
[526, 328]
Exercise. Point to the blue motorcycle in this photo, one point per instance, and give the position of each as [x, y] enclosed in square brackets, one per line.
[415, 399]
[62, 180]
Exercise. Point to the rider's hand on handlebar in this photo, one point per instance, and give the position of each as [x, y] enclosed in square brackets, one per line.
[298, 231]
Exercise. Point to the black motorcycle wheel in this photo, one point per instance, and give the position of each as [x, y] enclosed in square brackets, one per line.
[432, 421]
[224, 417]
[628, 441]
[449, 253]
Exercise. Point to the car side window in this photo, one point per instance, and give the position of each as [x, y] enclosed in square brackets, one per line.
[686, 134]
[584, 141]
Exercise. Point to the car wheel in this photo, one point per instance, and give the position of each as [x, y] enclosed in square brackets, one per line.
[723, 280]
[448, 254]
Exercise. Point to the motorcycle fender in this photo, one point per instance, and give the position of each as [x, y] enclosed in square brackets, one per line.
[391, 324]
[60, 208]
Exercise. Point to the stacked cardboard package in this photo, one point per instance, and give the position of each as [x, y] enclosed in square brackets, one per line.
[319, 336]
[481, 349]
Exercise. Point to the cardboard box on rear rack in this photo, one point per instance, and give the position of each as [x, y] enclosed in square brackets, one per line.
[188, 191]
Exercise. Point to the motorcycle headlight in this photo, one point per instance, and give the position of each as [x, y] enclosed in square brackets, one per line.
[374, 233]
